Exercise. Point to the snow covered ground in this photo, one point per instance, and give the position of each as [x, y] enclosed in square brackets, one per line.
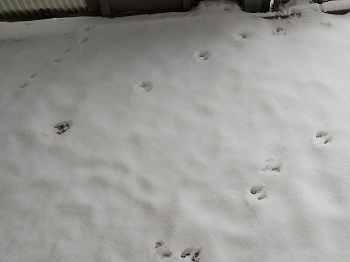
[212, 135]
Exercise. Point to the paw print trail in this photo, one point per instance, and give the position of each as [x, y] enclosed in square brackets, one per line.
[29, 78]
[193, 253]
[161, 251]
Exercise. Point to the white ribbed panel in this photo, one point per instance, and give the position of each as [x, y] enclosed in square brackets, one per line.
[25, 6]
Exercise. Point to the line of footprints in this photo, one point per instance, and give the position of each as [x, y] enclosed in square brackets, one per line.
[162, 252]
[199, 56]
[82, 40]
[147, 86]
[271, 166]
[321, 139]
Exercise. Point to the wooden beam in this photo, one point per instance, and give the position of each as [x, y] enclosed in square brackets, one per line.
[105, 8]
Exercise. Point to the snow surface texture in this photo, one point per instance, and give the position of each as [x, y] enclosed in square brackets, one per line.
[211, 135]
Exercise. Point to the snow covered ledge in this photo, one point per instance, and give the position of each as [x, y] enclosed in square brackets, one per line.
[331, 7]
[336, 7]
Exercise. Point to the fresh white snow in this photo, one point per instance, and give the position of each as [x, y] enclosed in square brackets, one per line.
[211, 135]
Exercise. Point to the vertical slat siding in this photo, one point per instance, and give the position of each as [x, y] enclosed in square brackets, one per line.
[11, 7]
[82, 3]
[33, 7]
[2, 6]
[67, 4]
[53, 4]
[26, 5]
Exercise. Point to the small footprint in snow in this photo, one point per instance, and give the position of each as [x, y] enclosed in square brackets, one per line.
[145, 86]
[89, 27]
[24, 85]
[191, 252]
[83, 40]
[32, 76]
[83, 31]
[67, 50]
[244, 35]
[328, 23]
[279, 31]
[238, 37]
[58, 60]
[159, 244]
[272, 165]
[322, 138]
[201, 56]
[86, 28]
[62, 127]
[161, 251]
[259, 192]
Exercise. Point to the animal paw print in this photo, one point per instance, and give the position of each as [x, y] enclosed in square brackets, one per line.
[84, 33]
[161, 251]
[83, 40]
[89, 28]
[24, 85]
[272, 166]
[58, 60]
[29, 79]
[62, 127]
[145, 86]
[244, 35]
[201, 56]
[67, 50]
[259, 192]
[32, 76]
[279, 31]
[192, 253]
[322, 138]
